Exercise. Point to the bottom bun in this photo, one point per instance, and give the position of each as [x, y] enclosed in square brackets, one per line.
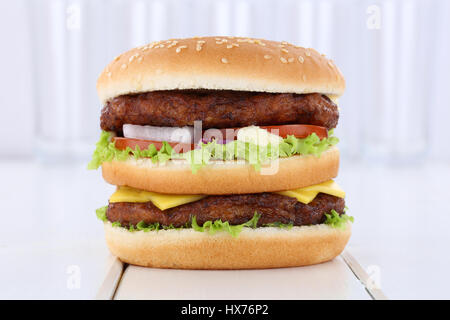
[253, 249]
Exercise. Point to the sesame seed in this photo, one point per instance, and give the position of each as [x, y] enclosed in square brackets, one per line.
[330, 63]
[224, 60]
[301, 59]
[117, 58]
[133, 57]
[178, 50]
[242, 40]
[172, 44]
[284, 42]
[290, 60]
[124, 66]
[284, 50]
[109, 74]
[304, 77]
[267, 57]
[199, 45]
[235, 44]
[307, 53]
[229, 46]
[283, 59]
[140, 59]
[281, 45]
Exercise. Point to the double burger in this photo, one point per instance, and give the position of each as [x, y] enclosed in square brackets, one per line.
[223, 154]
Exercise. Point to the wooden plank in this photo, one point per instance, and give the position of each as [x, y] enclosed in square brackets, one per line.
[111, 281]
[369, 283]
[330, 280]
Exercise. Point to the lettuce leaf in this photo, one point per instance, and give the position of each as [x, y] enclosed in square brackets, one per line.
[218, 225]
[101, 213]
[280, 225]
[338, 221]
[106, 151]
[254, 154]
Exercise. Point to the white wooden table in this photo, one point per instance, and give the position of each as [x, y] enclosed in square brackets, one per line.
[52, 246]
[331, 280]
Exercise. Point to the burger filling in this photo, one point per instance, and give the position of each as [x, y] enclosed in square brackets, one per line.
[236, 209]
[254, 126]
[141, 210]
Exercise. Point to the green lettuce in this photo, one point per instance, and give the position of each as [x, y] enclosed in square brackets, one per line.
[337, 221]
[333, 219]
[254, 154]
[106, 151]
[280, 225]
[216, 226]
[101, 213]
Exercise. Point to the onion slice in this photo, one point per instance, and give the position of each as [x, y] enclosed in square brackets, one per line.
[169, 134]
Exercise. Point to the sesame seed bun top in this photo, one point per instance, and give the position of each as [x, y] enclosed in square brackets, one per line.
[220, 63]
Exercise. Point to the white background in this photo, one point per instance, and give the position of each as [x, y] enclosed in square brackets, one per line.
[393, 126]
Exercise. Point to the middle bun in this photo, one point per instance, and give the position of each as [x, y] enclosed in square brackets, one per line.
[176, 177]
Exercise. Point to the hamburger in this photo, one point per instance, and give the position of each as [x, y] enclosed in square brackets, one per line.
[223, 154]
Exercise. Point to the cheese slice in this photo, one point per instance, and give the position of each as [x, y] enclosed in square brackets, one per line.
[333, 98]
[307, 194]
[165, 201]
[160, 200]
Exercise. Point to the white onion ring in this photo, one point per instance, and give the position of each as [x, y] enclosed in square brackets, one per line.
[169, 134]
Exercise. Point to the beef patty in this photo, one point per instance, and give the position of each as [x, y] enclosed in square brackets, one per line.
[236, 209]
[218, 109]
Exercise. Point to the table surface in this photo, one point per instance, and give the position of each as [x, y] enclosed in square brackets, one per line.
[57, 251]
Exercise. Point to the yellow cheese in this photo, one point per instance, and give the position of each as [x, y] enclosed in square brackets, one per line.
[166, 201]
[307, 194]
[333, 98]
[160, 200]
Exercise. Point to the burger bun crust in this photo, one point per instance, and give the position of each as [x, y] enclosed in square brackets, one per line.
[220, 63]
[266, 247]
[232, 177]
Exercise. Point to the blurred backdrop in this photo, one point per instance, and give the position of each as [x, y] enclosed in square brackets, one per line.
[393, 54]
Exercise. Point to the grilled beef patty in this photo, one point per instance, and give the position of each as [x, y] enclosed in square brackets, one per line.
[218, 109]
[236, 209]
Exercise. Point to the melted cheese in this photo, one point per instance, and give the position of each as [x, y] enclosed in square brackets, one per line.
[160, 200]
[166, 201]
[307, 194]
[333, 98]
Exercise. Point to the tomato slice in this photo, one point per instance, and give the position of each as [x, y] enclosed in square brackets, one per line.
[123, 143]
